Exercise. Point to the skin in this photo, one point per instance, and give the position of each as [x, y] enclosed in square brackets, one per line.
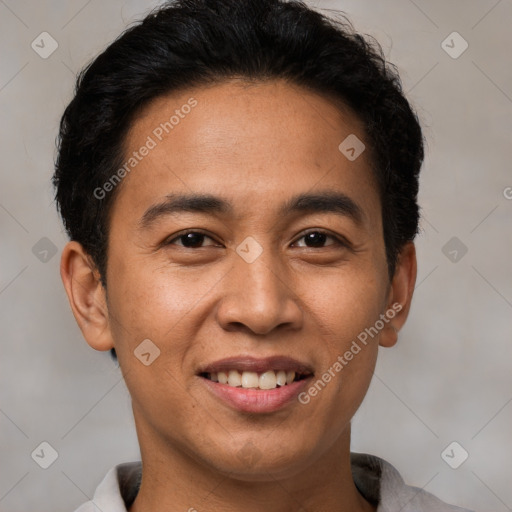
[255, 145]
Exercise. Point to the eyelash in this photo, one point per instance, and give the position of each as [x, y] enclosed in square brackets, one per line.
[338, 241]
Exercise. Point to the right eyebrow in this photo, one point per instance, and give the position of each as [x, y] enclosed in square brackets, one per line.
[174, 203]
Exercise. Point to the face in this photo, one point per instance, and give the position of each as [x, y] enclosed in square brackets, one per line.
[277, 265]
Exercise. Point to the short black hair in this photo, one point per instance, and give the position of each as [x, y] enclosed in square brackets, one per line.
[189, 43]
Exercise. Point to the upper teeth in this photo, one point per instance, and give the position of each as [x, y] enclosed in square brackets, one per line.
[268, 380]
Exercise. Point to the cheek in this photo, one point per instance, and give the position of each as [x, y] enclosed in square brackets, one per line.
[148, 303]
[340, 385]
[344, 308]
[345, 303]
[152, 302]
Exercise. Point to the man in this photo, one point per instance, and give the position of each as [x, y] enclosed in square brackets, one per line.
[239, 183]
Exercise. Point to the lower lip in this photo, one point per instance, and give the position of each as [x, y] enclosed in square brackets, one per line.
[256, 400]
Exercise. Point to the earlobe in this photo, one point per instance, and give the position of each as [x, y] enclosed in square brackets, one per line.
[400, 295]
[86, 296]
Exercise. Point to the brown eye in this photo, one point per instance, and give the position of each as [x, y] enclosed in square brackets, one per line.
[317, 238]
[190, 239]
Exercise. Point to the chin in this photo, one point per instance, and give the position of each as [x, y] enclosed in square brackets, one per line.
[255, 463]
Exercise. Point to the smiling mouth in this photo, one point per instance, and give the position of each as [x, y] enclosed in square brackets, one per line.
[271, 379]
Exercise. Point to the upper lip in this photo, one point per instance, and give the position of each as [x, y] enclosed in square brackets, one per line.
[258, 365]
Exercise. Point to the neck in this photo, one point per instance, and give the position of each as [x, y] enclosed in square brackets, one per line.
[174, 480]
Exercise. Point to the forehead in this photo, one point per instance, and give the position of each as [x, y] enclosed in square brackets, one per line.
[255, 143]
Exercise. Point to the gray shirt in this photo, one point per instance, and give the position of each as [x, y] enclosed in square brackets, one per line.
[377, 480]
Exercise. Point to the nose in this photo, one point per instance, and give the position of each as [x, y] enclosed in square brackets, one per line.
[258, 296]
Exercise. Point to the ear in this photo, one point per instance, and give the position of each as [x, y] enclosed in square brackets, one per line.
[400, 295]
[86, 296]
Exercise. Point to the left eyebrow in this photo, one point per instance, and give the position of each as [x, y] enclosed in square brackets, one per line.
[320, 202]
[324, 202]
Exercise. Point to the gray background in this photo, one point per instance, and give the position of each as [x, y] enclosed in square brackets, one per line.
[448, 379]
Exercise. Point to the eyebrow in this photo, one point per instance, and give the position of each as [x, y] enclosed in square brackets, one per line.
[319, 202]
